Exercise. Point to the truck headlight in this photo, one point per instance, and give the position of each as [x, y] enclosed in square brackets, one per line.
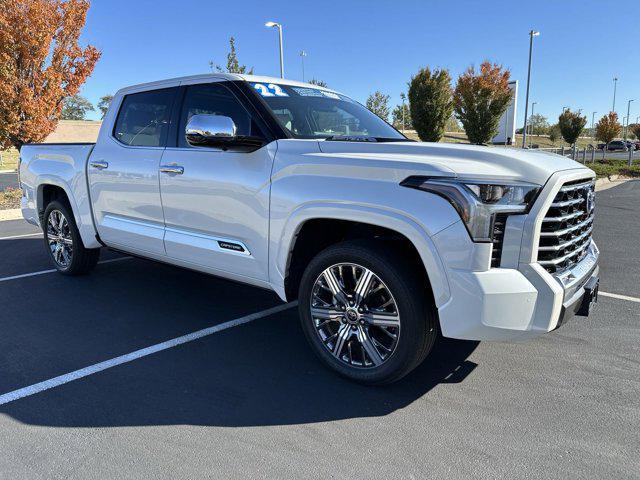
[478, 202]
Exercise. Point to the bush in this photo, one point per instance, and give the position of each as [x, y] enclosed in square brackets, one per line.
[480, 99]
[430, 103]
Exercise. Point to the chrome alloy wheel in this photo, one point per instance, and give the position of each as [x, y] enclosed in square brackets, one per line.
[355, 315]
[59, 238]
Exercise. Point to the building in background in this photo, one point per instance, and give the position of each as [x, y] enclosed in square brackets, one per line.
[507, 131]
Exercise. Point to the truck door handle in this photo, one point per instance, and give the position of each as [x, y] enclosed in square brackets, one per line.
[175, 169]
[101, 165]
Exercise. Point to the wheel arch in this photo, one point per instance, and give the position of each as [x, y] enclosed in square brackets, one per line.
[313, 228]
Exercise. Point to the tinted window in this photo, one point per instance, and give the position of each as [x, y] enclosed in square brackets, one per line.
[143, 120]
[215, 99]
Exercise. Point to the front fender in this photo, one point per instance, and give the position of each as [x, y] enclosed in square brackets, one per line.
[393, 220]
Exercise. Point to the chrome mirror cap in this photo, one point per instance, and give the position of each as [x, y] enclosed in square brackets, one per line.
[208, 129]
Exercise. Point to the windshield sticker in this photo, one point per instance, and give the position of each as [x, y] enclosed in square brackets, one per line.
[308, 92]
[270, 90]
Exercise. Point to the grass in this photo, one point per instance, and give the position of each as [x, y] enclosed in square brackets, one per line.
[9, 159]
[10, 198]
[608, 168]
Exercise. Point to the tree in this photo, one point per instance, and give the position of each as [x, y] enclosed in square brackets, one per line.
[430, 103]
[378, 103]
[480, 99]
[75, 108]
[635, 129]
[41, 63]
[571, 125]
[608, 127]
[319, 83]
[103, 104]
[554, 132]
[399, 120]
[233, 66]
[538, 125]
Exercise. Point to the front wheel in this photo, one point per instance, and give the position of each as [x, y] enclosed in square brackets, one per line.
[63, 241]
[366, 312]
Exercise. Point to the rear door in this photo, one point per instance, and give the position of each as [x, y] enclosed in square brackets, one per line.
[123, 173]
[216, 209]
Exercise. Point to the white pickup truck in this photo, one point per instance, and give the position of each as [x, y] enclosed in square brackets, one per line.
[386, 243]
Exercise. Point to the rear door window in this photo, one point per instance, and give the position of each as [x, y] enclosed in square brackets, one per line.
[143, 120]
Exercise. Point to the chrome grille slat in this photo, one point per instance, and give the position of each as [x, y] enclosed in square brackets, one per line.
[559, 233]
[567, 227]
[564, 245]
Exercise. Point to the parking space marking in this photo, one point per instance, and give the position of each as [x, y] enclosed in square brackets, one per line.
[53, 270]
[13, 237]
[129, 357]
[619, 297]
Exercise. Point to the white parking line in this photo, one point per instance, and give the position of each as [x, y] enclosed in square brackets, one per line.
[129, 357]
[39, 234]
[619, 297]
[42, 272]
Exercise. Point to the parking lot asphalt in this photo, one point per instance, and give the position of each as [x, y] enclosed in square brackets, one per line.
[252, 401]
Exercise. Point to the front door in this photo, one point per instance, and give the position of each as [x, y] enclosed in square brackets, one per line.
[123, 173]
[216, 202]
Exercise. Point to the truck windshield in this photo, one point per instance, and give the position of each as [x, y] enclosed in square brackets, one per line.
[309, 112]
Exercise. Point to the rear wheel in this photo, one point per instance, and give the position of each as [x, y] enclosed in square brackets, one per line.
[63, 241]
[366, 312]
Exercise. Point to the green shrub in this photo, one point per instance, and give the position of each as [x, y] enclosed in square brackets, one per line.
[430, 103]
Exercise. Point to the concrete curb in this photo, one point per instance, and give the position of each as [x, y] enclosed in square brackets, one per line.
[607, 182]
[10, 214]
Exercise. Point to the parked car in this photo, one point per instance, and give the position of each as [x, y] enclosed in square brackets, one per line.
[601, 146]
[617, 146]
[384, 242]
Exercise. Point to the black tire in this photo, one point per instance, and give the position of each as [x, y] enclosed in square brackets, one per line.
[416, 309]
[82, 260]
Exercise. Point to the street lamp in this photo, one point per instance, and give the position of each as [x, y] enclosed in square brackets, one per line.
[279, 27]
[564, 109]
[628, 118]
[532, 34]
[403, 97]
[615, 84]
[593, 125]
[302, 55]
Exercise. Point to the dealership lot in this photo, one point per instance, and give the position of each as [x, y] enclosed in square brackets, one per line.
[250, 400]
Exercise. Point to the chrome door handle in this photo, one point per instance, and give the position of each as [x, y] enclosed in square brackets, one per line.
[175, 169]
[101, 165]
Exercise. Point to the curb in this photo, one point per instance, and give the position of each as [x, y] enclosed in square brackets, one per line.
[605, 183]
[10, 214]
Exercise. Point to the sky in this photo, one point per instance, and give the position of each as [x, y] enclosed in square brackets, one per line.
[358, 47]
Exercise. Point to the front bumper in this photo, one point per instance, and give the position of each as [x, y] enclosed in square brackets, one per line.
[521, 299]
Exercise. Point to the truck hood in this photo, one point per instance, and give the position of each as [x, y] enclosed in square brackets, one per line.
[450, 160]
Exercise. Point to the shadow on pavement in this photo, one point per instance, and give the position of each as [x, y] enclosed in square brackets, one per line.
[259, 374]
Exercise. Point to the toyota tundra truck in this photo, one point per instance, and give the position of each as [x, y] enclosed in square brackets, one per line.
[387, 244]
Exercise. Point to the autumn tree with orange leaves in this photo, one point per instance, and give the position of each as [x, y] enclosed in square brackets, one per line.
[480, 99]
[41, 63]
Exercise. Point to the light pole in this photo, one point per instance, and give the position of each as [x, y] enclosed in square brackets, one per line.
[628, 118]
[302, 55]
[564, 109]
[593, 125]
[403, 96]
[532, 34]
[615, 84]
[533, 106]
[279, 27]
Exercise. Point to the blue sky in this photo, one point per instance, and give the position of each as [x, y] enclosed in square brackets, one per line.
[358, 47]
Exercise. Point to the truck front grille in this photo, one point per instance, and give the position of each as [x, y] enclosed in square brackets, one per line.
[566, 229]
[499, 226]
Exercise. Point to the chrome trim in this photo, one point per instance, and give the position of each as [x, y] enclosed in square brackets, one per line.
[204, 128]
[214, 241]
[564, 245]
[563, 218]
[100, 165]
[173, 169]
[559, 260]
[577, 186]
[559, 233]
[567, 203]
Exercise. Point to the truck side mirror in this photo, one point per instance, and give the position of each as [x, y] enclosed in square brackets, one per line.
[210, 130]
